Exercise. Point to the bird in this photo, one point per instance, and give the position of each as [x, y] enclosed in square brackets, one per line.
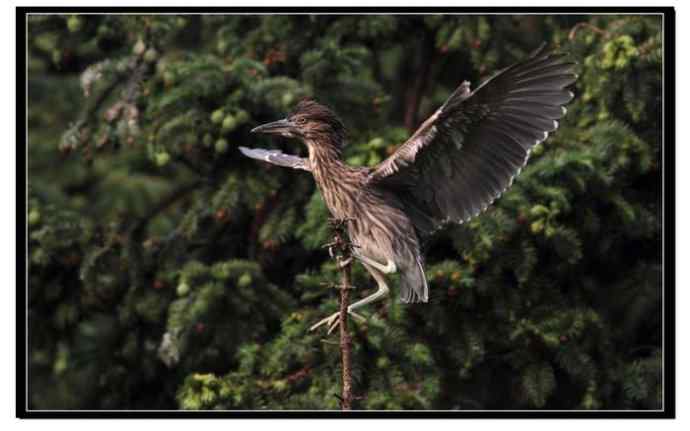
[455, 165]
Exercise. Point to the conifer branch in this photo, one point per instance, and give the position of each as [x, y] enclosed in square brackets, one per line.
[163, 204]
[91, 109]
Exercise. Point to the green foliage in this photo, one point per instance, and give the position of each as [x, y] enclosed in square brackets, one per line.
[168, 271]
[538, 382]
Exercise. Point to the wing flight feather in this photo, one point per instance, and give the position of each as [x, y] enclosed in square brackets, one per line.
[277, 157]
[468, 152]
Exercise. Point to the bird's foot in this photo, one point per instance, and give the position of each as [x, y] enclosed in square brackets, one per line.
[333, 321]
[330, 247]
[342, 263]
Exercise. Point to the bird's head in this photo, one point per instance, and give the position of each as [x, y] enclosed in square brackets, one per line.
[310, 122]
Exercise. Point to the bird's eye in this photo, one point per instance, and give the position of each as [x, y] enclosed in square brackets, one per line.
[301, 120]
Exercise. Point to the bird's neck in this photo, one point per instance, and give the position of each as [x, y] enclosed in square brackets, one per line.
[326, 156]
[338, 182]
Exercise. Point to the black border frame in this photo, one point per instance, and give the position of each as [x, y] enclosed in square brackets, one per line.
[669, 208]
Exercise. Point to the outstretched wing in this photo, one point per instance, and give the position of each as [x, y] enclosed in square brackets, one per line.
[469, 151]
[277, 157]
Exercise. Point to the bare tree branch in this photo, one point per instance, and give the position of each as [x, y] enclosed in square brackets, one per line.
[343, 255]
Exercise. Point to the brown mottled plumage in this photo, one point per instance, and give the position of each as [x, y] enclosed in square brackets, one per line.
[453, 167]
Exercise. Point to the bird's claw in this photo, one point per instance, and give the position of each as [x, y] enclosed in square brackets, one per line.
[333, 321]
[342, 263]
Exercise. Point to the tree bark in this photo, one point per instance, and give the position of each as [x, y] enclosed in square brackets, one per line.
[345, 338]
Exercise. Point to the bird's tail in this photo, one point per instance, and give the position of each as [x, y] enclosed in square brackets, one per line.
[413, 285]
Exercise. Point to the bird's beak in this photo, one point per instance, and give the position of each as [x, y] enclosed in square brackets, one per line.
[283, 127]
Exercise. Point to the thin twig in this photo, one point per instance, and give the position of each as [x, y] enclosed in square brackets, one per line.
[580, 25]
[345, 338]
[343, 250]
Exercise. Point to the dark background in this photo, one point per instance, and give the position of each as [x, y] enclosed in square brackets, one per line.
[168, 272]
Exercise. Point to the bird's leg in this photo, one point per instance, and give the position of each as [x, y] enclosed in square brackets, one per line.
[388, 268]
[379, 294]
[333, 320]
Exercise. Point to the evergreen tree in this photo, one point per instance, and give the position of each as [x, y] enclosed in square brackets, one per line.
[167, 271]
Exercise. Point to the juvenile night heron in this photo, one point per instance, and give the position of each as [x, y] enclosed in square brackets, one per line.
[459, 161]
